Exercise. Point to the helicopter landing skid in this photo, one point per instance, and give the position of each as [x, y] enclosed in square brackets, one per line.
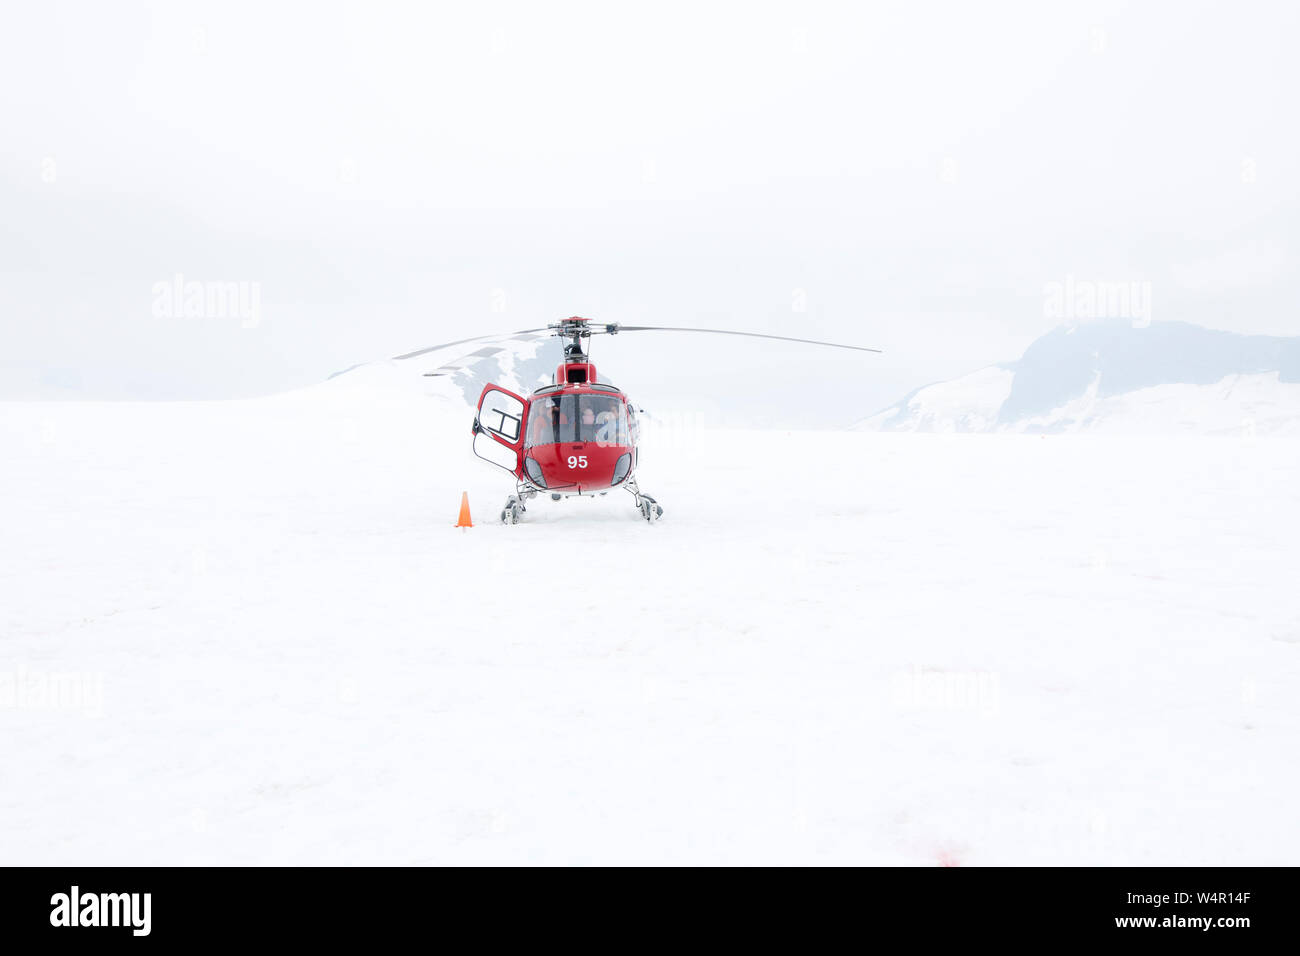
[514, 509]
[649, 508]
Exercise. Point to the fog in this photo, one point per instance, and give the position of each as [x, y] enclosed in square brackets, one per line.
[381, 177]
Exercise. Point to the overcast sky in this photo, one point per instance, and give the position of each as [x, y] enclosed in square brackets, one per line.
[385, 176]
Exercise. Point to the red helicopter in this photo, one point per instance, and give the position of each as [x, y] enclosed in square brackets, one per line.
[577, 436]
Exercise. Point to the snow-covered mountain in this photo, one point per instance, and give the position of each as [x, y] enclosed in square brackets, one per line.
[1111, 376]
[521, 363]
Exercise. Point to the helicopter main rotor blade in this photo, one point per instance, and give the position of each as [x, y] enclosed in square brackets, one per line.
[752, 335]
[462, 362]
[477, 338]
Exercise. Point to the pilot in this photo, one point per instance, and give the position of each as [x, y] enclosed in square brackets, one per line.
[546, 426]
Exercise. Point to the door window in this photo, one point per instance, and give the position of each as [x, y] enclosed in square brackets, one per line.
[501, 414]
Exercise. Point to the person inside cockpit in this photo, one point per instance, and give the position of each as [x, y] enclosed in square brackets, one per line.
[546, 421]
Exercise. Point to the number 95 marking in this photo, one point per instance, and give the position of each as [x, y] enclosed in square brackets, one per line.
[577, 461]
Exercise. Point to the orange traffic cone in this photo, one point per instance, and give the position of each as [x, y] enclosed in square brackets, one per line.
[463, 521]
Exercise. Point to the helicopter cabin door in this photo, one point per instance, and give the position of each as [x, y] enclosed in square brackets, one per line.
[499, 427]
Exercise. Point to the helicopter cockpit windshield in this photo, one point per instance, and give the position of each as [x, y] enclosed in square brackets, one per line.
[577, 418]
